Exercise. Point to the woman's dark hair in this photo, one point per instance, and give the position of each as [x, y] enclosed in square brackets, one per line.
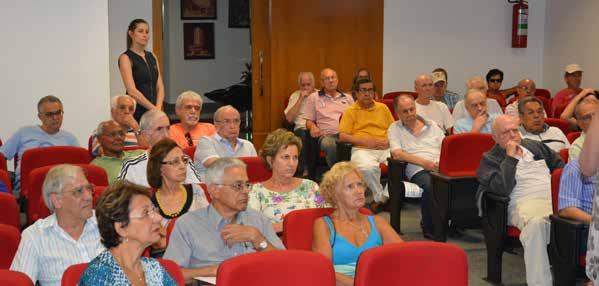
[494, 72]
[114, 206]
[157, 155]
[132, 27]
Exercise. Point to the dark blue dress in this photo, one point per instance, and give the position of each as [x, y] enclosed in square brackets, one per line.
[145, 76]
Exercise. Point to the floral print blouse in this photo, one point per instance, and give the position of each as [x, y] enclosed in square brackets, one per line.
[275, 205]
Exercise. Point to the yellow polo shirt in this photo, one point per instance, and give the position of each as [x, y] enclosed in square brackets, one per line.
[366, 123]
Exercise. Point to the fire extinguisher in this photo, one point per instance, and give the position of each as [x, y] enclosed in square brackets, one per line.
[519, 23]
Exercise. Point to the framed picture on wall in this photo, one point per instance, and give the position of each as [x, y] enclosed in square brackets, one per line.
[198, 9]
[239, 13]
[198, 41]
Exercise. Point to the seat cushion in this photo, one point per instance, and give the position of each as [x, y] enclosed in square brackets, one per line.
[513, 232]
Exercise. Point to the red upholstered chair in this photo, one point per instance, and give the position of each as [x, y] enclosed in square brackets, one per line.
[98, 190]
[257, 170]
[10, 237]
[298, 226]
[541, 92]
[286, 267]
[14, 278]
[394, 94]
[3, 165]
[413, 263]
[564, 153]
[454, 187]
[36, 208]
[174, 270]
[44, 156]
[390, 105]
[190, 152]
[10, 210]
[546, 104]
[559, 123]
[573, 136]
[5, 179]
[169, 229]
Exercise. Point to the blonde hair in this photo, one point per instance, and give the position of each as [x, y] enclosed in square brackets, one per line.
[276, 140]
[333, 179]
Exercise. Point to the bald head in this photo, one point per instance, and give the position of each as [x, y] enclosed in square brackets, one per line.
[526, 87]
[505, 129]
[329, 80]
[423, 85]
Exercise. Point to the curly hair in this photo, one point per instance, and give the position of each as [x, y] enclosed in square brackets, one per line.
[276, 140]
[114, 206]
[333, 180]
[157, 155]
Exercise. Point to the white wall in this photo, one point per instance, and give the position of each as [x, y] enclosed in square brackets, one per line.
[571, 28]
[59, 48]
[466, 37]
[120, 14]
[232, 51]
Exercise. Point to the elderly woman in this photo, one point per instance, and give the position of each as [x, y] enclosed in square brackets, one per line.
[346, 233]
[283, 193]
[128, 223]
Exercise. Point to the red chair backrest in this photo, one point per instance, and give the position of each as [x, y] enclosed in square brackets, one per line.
[541, 92]
[555, 177]
[169, 229]
[10, 237]
[564, 153]
[36, 208]
[391, 106]
[5, 179]
[190, 151]
[559, 123]
[98, 190]
[572, 136]
[3, 165]
[298, 226]
[256, 169]
[461, 153]
[394, 94]
[174, 270]
[10, 210]
[14, 278]
[546, 104]
[420, 263]
[205, 189]
[44, 156]
[277, 268]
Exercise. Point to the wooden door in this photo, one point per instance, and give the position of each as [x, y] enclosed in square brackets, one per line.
[291, 36]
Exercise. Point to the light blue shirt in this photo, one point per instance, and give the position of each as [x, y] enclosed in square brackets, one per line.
[30, 137]
[464, 124]
[46, 250]
[216, 146]
[576, 190]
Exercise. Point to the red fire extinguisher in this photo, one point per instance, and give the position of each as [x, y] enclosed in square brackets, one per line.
[519, 24]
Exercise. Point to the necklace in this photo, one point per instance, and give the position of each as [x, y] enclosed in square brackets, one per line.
[174, 213]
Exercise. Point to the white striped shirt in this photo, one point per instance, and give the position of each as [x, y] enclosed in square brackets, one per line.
[46, 250]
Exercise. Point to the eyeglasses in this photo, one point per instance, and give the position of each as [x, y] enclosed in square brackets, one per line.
[366, 90]
[192, 107]
[176, 161]
[331, 78]
[78, 192]
[52, 114]
[237, 187]
[496, 80]
[587, 117]
[124, 107]
[114, 134]
[188, 138]
[162, 128]
[229, 121]
[145, 213]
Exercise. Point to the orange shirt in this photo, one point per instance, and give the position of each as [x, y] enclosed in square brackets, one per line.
[177, 133]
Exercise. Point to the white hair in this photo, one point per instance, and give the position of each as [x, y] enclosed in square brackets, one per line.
[100, 128]
[471, 81]
[216, 172]
[188, 94]
[147, 119]
[221, 110]
[56, 179]
[302, 74]
[114, 101]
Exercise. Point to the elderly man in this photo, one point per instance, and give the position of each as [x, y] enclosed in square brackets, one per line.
[521, 169]
[225, 143]
[204, 238]
[476, 82]
[576, 193]
[428, 108]
[478, 120]
[111, 136]
[584, 111]
[525, 87]
[154, 125]
[533, 126]
[365, 124]
[442, 94]
[416, 140]
[190, 130]
[322, 111]
[50, 113]
[294, 113]
[573, 79]
[68, 236]
[122, 108]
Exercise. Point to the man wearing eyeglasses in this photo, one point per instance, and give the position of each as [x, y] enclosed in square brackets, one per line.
[68, 236]
[188, 132]
[584, 111]
[154, 126]
[122, 108]
[204, 238]
[225, 143]
[533, 126]
[50, 113]
[526, 87]
[364, 124]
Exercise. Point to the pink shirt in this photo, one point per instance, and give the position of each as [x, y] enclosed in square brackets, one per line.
[177, 133]
[325, 110]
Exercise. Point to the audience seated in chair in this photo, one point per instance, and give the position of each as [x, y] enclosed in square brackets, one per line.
[525, 87]
[573, 79]
[283, 192]
[50, 112]
[442, 94]
[494, 80]
[154, 125]
[417, 141]
[111, 137]
[583, 109]
[362, 73]
[569, 113]
[364, 124]
[224, 143]
[476, 82]
[226, 227]
[122, 108]
[322, 112]
[478, 119]
[533, 126]
[576, 193]
[68, 236]
[521, 169]
[188, 132]
[430, 109]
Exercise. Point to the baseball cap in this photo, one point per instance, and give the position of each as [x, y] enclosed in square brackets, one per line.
[572, 68]
[438, 76]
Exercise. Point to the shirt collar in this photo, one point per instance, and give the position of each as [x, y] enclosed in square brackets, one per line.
[524, 131]
[52, 222]
[217, 220]
[323, 93]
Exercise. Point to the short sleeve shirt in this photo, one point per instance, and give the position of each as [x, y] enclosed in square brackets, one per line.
[325, 110]
[216, 146]
[366, 123]
[437, 112]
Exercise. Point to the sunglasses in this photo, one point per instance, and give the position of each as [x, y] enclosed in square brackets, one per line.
[496, 80]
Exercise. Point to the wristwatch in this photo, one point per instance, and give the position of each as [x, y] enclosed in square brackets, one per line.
[262, 245]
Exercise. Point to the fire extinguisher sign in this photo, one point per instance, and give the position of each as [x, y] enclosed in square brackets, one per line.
[522, 22]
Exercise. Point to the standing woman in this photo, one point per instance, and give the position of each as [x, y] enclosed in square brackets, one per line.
[139, 70]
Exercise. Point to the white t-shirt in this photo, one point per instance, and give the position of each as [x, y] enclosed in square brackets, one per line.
[436, 111]
[299, 121]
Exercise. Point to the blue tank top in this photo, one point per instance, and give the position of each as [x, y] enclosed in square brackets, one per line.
[345, 255]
